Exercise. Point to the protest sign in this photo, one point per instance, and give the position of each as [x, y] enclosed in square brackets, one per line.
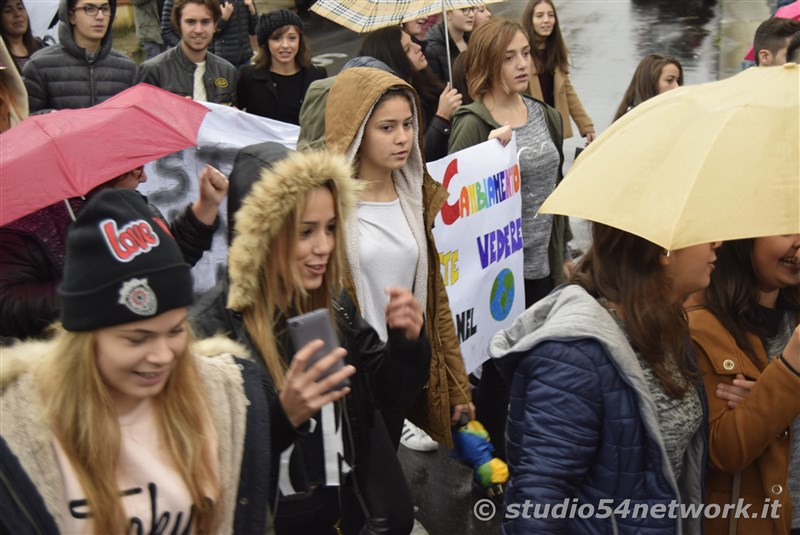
[172, 180]
[479, 236]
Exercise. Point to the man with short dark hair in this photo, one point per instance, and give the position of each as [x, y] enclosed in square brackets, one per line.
[772, 39]
[82, 69]
[793, 50]
[189, 69]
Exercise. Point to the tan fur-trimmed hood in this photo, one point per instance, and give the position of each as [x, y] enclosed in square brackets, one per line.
[17, 359]
[279, 191]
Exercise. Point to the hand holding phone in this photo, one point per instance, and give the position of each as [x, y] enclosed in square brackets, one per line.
[316, 325]
[303, 394]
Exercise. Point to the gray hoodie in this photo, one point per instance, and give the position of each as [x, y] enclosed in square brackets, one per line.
[591, 339]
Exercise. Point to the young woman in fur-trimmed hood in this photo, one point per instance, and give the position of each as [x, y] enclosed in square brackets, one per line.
[337, 465]
[373, 118]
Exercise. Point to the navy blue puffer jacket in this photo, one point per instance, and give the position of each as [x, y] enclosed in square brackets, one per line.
[583, 429]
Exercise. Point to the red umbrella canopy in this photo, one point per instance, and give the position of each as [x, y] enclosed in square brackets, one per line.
[50, 157]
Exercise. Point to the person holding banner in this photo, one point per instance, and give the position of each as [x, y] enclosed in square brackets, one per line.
[373, 117]
[497, 64]
[607, 409]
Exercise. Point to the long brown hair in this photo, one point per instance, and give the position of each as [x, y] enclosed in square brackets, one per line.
[483, 59]
[644, 84]
[31, 43]
[85, 422]
[627, 270]
[263, 59]
[384, 44]
[733, 295]
[555, 54]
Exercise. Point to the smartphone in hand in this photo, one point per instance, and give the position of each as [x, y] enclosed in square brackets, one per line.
[316, 325]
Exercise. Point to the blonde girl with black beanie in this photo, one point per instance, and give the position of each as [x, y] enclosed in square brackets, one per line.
[116, 425]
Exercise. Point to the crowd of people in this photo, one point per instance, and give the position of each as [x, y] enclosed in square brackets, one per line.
[635, 373]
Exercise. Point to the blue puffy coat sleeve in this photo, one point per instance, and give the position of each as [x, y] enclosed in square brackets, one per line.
[555, 420]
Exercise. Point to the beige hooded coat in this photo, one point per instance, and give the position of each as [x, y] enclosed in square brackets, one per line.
[350, 103]
[28, 434]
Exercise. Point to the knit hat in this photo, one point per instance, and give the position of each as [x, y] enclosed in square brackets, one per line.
[274, 20]
[122, 264]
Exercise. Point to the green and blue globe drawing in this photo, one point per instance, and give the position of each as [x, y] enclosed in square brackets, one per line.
[502, 296]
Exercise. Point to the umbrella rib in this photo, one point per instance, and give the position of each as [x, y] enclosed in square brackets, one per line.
[169, 126]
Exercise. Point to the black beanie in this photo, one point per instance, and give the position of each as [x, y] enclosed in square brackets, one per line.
[122, 264]
[275, 20]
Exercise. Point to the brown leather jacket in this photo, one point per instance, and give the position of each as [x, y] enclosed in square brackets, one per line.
[754, 438]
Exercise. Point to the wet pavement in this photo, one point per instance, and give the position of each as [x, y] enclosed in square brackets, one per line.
[606, 39]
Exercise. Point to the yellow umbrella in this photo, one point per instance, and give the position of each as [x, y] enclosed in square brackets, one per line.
[364, 16]
[715, 161]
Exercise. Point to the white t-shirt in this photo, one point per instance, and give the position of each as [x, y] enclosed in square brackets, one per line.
[387, 255]
[156, 500]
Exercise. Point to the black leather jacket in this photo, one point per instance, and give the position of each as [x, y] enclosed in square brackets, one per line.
[385, 375]
[172, 70]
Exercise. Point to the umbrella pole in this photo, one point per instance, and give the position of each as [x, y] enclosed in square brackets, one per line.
[69, 209]
[447, 43]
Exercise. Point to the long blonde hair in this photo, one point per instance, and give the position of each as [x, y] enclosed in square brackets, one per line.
[281, 287]
[85, 422]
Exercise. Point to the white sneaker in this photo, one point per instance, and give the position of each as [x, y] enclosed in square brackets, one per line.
[416, 439]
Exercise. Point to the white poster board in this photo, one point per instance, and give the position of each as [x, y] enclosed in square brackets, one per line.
[479, 236]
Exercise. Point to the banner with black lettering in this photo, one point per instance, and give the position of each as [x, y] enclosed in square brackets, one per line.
[479, 236]
[172, 180]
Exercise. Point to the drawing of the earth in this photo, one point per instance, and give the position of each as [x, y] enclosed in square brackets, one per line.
[502, 296]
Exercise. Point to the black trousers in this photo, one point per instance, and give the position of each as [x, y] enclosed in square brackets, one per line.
[394, 418]
[379, 501]
[492, 392]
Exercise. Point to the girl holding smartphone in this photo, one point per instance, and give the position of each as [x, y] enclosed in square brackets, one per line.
[334, 465]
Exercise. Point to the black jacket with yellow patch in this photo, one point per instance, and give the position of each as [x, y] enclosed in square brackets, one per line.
[173, 71]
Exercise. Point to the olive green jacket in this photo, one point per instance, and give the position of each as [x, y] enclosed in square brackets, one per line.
[472, 125]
